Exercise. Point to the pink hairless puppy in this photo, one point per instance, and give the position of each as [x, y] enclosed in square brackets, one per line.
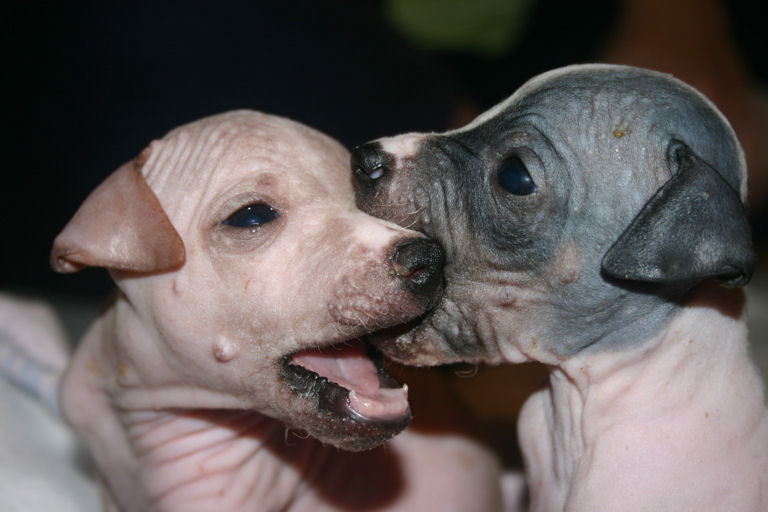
[246, 281]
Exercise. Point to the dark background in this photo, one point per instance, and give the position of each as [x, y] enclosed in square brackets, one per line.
[87, 85]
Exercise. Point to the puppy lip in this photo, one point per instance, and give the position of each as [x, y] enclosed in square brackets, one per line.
[346, 380]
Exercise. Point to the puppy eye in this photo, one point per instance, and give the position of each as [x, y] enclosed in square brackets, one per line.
[514, 177]
[252, 215]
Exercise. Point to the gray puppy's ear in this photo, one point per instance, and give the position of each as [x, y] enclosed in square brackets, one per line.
[693, 228]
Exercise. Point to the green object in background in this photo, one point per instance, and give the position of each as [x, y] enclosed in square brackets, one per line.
[486, 27]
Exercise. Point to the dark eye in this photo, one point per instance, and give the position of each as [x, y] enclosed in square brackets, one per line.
[514, 178]
[252, 215]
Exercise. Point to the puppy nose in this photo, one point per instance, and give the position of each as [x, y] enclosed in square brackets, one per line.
[418, 263]
[369, 163]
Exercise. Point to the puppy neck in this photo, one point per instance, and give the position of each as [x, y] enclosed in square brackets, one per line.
[613, 418]
[707, 332]
[170, 447]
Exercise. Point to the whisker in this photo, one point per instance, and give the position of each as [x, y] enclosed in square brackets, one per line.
[295, 433]
[286, 434]
[469, 372]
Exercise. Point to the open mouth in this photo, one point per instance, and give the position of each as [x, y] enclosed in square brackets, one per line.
[347, 380]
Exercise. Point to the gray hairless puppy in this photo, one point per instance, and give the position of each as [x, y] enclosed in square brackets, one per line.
[583, 220]
[246, 277]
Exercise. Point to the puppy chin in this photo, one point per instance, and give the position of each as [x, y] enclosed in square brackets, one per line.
[334, 421]
[421, 346]
[349, 434]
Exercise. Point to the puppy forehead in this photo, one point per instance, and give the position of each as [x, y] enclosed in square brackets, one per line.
[198, 160]
[589, 86]
[575, 101]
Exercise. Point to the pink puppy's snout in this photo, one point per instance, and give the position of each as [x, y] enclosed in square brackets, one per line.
[418, 263]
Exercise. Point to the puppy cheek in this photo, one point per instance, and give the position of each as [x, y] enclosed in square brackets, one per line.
[567, 267]
[201, 328]
[225, 348]
[425, 347]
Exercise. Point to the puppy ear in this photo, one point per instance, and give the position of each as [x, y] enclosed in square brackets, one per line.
[121, 225]
[694, 227]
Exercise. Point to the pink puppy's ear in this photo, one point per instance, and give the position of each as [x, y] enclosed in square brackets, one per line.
[121, 225]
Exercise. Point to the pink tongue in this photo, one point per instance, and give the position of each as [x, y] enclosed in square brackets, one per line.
[349, 366]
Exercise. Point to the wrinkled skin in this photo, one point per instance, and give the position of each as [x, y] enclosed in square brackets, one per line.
[653, 402]
[182, 387]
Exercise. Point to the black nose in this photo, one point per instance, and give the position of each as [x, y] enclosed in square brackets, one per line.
[418, 263]
[369, 163]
